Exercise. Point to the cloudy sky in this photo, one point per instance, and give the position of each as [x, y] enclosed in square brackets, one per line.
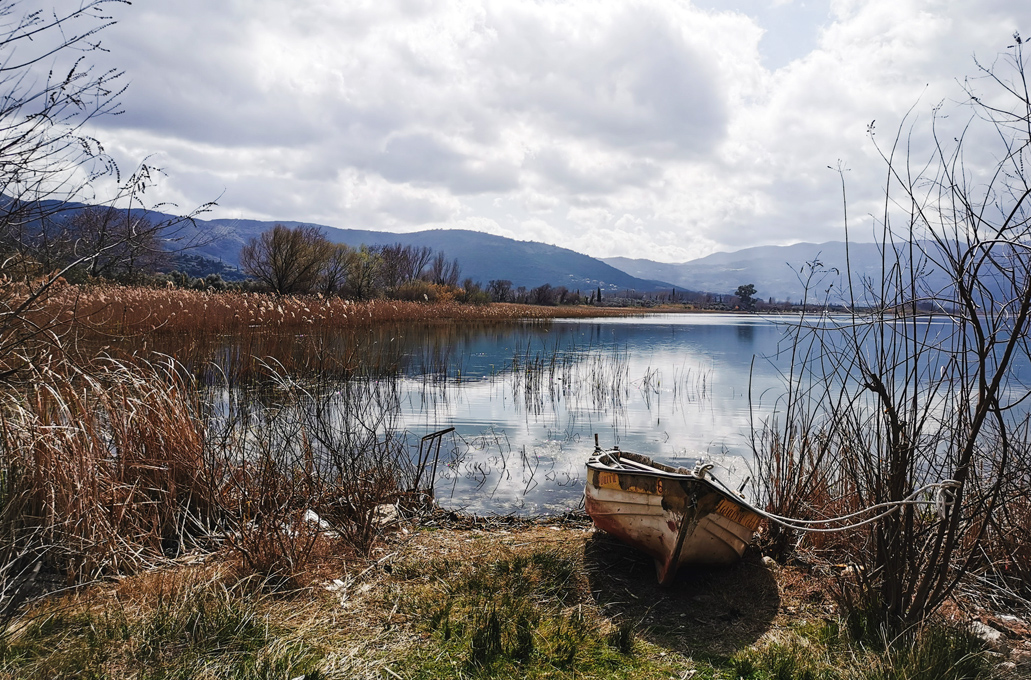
[666, 129]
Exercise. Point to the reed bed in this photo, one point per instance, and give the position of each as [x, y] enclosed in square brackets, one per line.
[102, 470]
[598, 380]
[116, 469]
[117, 310]
[229, 333]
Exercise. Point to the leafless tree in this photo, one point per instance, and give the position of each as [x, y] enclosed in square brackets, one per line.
[50, 165]
[401, 264]
[339, 262]
[363, 274]
[544, 295]
[287, 260]
[121, 244]
[443, 272]
[46, 159]
[920, 388]
[500, 290]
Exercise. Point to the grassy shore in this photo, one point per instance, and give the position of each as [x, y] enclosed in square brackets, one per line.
[530, 600]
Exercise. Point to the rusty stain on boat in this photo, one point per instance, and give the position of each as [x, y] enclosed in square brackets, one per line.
[676, 515]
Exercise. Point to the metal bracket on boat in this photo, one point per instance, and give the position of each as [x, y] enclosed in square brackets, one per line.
[702, 469]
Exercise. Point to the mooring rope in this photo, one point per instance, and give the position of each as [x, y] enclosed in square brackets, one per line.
[943, 502]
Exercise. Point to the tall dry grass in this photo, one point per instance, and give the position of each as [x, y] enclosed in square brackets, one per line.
[234, 331]
[103, 470]
[112, 469]
[118, 310]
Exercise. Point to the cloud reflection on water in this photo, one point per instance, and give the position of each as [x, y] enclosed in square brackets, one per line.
[672, 386]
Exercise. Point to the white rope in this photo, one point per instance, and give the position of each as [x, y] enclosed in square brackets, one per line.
[943, 502]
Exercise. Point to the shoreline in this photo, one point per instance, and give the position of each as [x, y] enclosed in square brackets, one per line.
[707, 624]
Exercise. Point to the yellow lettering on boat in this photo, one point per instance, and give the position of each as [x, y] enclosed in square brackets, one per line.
[658, 486]
[736, 513]
[608, 480]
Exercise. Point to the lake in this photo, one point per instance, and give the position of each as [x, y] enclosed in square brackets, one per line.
[526, 401]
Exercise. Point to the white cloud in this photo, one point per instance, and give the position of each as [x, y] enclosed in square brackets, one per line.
[648, 130]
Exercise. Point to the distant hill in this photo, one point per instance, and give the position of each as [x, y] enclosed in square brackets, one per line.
[779, 272]
[482, 257]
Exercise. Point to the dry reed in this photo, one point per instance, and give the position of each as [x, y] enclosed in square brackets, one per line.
[103, 469]
[116, 310]
[115, 469]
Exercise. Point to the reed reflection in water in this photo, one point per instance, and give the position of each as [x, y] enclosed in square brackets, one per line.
[525, 398]
[675, 387]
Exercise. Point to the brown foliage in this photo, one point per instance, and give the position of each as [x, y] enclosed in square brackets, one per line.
[118, 310]
[104, 469]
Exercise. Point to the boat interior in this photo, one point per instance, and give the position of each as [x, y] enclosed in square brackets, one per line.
[624, 460]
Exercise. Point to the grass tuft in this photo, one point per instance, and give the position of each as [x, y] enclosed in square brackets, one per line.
[826, 652]
[934, 652]
[185, 624]
[622, 636]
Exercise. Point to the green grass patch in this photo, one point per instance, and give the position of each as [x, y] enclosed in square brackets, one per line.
[517, 617]
[180, 630]
[797, 659]
[935, 652]
[826, 651]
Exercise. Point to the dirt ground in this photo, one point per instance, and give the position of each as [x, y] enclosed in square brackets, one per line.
[708, 611]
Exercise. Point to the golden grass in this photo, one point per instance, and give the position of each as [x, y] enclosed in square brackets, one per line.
[107, 471]
[100, 469]
[117, 310]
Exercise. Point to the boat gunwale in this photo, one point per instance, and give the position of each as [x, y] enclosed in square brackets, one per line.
[650, 467]
[650, 470]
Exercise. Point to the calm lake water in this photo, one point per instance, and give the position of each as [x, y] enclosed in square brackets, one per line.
[527, 401]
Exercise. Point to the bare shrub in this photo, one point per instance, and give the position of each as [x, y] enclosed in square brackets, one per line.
[287, 260]
[922, 407]
[273, 530]
[314, 462]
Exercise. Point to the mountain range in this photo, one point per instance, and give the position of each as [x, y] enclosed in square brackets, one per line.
[482, 257]
[780, 273]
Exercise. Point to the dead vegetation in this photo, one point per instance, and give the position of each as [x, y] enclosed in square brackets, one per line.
[506, 599]
[119, 310]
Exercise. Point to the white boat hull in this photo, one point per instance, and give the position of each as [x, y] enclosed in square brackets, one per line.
[677, 517]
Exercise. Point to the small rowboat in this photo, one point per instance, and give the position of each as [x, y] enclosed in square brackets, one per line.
[676, 515]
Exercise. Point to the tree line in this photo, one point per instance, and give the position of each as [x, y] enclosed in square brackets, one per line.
[302, 261]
